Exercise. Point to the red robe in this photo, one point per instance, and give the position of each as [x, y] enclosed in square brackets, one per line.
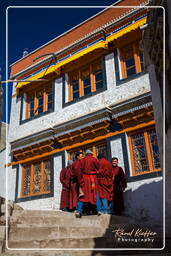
[89, 167]
[69, 194]
[105, 182]
[119, 185]
[77, 172]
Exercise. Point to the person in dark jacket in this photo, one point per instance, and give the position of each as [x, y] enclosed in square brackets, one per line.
[119, 185]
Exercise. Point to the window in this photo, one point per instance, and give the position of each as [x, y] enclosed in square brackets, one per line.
[144, 152]
[131, 60]
[96, 149]
[86, 80]
[36, 178]
[39, 101]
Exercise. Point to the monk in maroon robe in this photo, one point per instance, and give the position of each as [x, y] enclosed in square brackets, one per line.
[105, 181]
[77, 172]
[89, 168]
[69, 194]
[119, 185]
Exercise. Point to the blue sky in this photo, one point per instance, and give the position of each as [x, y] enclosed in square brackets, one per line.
[29, 28]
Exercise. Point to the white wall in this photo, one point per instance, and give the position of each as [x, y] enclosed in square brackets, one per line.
[114, 94]
[7, 177]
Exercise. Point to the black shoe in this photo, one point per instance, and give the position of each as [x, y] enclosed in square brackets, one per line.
[78, 215]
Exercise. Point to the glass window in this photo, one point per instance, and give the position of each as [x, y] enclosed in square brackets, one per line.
[39, 101]
[144, 152]
[86, 80]
[131, 60]
[36, 178]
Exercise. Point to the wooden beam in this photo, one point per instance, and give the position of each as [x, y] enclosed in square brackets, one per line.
[139, 126]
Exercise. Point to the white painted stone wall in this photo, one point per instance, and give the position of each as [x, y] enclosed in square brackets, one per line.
[113, 95]
[7, 177]
[51, 203]
[2, 173]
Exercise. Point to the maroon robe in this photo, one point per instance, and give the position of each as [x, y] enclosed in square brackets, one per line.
[105, 182]
[77, 172]
[69, 194]
[119, 185]
[89, 167]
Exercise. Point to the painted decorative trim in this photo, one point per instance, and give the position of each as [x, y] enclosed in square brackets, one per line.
[128, 14]
[99, 43]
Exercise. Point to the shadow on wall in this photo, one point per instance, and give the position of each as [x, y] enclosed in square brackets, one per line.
[145, 202]
[143, 210]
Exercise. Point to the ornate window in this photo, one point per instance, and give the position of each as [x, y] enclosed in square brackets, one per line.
[144, 152]
[39, 101]
[85, 80]
[131, 60]
[97, 148]
[36, 178]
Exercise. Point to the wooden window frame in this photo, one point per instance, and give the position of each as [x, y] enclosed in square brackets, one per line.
[34, 93]
[81, 86]
[136, 56]
[92, 146]
[148, 151]
[31, 164]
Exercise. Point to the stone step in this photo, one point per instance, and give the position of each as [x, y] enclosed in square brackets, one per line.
[50, 213]
[71, 221]
[59, 243]
[42, 233]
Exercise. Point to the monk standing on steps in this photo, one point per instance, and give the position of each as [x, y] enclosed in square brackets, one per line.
[105, 185]
[69, 194]
[77, 172]
[119, 185]
[89, 168]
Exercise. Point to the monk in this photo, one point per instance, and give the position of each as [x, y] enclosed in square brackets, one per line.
[69, 194]
[119, 185]
[89, 168]
[76, 169]
[105, 185]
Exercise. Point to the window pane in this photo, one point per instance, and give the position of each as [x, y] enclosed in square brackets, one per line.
[75, 95]
[50, 97]
[154, 149]
[86, 81]
[47, 176]
[40, 109]
[40, 100]
[130, 62]
[75, 85]
[50, 105]
[26, 180]
[139, 153]
[101, 149]
[37, 178]
[131, 71]
[99, 85]
[87, 90]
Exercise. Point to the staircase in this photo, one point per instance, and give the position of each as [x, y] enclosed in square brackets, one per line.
[42, 231]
